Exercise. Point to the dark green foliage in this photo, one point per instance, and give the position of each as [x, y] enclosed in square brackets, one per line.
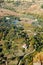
[3, 61]
[1, 45]
[1, 49]
[5, 58]
[1, 55]
[23, 34]
[13, 58]
[17, 3]
[38, 40]
[42, 6]
[10, 30]
[8, 45]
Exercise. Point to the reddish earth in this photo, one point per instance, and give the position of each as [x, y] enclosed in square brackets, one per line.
[35, 9]
[5, 12]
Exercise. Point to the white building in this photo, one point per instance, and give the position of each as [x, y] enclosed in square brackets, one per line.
[24, 46]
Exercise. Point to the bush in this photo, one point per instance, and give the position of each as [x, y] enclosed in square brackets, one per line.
[17, 3]
[42, 6]
[8, 45]
[1, 49]
[13, 58]
[1, 55]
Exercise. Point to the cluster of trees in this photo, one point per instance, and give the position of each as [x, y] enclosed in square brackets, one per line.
[38, 41]
[10, 31]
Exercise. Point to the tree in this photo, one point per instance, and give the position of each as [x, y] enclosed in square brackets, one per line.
[37, 41]
[42, 6]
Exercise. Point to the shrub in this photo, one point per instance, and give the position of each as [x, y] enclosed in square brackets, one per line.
[17, 3]
[13, 58]
[42, 6]
[1, 55]
[1, 49]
